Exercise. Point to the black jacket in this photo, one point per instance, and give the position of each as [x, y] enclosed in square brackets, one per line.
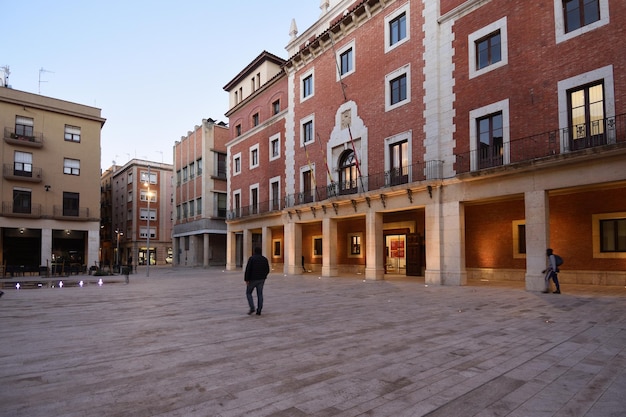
[257, 268]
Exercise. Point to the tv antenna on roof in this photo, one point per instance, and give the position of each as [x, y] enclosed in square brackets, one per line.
[41, 70]
[5, 79]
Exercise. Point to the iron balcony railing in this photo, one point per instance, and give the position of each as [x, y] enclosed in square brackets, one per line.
[604, 132]
[34, 140]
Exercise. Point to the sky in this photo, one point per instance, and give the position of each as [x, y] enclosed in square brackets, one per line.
[155, 68]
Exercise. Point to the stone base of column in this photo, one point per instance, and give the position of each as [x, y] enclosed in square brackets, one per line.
[231, 267]
[455, 278]
[432, 277]
[375, 274]
[330, 271]
[535, 282]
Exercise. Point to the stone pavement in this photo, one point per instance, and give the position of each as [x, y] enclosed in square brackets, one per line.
[179, 343]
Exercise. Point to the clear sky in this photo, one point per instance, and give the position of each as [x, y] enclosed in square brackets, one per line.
[155, 68]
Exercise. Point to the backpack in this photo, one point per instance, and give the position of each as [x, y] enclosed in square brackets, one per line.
[558, 260]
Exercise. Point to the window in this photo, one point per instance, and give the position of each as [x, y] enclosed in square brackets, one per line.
[586, 113]
[397, 27]
[397, 88]
[345, 60]
[576, 17]
[307, 87]
[143, 214]
[579, 13]
[488, 48]
[130, 178]
[23, 164]
[24, 127]
[221, 165]
[276, 107]
[199, 205]
[354, 244]
[237, 203]
[221, 204]
[489, 135]
[399, 163]
[255, 119]
[613, 235]
[72, 133]
[276, 248]
[70, 204]
[199, 165]
[21, 201]
[71, 166]
[192, 208]
[519, 239]
[238, 130]
[254, 156]
[237, 164]
[275, 193]
[254, 199]
[347, 173]
[307, 131]
[130, 196]
[185, 174]
[144, 177]
[274, 147]
[143, 196]
[178, 177]
[185, 210]
[143, 233]
[307, 186]
[490, 140]
[317, 246]
[192, 170]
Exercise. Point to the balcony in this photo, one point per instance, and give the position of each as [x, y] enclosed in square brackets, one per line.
[35, 141]
[30, 211]
[599, 134]
[10, 172]
[64, 213]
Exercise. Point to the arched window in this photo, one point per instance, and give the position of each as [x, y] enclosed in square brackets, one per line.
[347, 173]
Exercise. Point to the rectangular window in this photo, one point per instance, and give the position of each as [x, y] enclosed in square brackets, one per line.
[521, 238]
[143, 233]
[276, 107]
[238, 130]
[185, 174]
[254, 156]
[70, 204]
[275, 195]
[144, 177]
[23, 164]
[317, 246]
[355, 245]
[398, 89]
[255, 119]
[488, 50]
[399, 163]
[586, 113]
[185, 210]
[274, 147]
[221, 204]
[397, 29]
[579, 13]
[613, 235]
[24, 127]
[307, 131]
[199, 205]
[490, 140]
[192, 170]
[276, 248]
[130, 178]
[237, 164]
[21, 201]
[221, 165]
[199, 165]
[254, 200]
[143, 196]
[71, 166]
[307, 186]
[237, 203]
[307, 86]
[72, 133]
[192, 208]
[143, 214]
[346, 63]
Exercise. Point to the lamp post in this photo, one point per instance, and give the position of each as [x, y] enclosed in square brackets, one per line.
[117, 254]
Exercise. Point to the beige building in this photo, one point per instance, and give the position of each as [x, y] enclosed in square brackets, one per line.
[50, 183]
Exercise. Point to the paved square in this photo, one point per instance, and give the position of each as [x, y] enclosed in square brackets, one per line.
[180, 343]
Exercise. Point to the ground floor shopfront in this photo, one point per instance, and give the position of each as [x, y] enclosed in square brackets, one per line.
[493, 225]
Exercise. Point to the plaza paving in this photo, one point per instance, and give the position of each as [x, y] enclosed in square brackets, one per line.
[180, 343]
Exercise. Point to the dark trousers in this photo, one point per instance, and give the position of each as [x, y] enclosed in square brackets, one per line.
[552, 275]
[258, 284]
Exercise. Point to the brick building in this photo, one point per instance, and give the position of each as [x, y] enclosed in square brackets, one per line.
[454, 140]
[199, 234]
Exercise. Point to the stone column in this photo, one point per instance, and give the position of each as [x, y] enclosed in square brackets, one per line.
[329, 247]
[433, 242]
[231, 251]
[537, 213]
[293, 248]
[374, 246]
[205, 249]
[453, 249]
[46, 248]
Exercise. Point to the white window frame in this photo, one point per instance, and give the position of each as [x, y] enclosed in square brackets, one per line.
[350, 45]
[498, 107]
[271, 196]
[71, 166]
[143, 232]
[305, 75]
[404, 70]
[143, 195]
[403, 9]
[273, 138]
[500, 25]
[400, 137]
[236, 196]
[606, 75]
[254, 187]
[254, 150]
[143, 175]
[143, 214]
[73, 132]
[303, 121]
[237, 157]
[559, 22]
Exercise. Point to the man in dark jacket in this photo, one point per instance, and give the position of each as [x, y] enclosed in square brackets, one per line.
[257, 269]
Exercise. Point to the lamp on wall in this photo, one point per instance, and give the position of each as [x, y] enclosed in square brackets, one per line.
[47, 187]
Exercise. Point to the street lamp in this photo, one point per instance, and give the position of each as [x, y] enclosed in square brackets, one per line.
[117, 254]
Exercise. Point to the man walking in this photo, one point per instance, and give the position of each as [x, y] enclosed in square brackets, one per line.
[255, 275]
[551, 272]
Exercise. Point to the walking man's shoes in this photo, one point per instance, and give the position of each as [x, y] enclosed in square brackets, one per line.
[251, 311]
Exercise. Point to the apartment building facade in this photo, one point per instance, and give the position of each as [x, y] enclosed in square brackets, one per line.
[140, 227]
[199, 232]
[454, 140]
[50, 201]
